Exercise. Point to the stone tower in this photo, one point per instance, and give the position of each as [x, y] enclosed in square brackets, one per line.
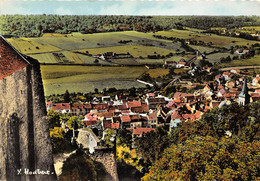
[25, 147]
[244, 97]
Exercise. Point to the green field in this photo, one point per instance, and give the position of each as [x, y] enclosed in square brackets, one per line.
[59, 78]
[160, 72]
[29, 46]
[217, 41]
[203, 48]
[54, 48]
[217, 56]
[244, 62]
[134, 50]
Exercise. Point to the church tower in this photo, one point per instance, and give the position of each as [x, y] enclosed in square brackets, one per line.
[244, 97]
[25, 147]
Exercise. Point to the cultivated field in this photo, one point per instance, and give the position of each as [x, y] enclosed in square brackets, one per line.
[217, 41]
[135, 51]
[29, 46]
[243, 62]
[160, 72]
[214, 58]
[58, 78]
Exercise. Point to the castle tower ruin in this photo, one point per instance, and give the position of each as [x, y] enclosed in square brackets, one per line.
[25, 147]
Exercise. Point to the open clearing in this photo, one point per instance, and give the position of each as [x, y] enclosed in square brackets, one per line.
[243, 62]
[59, 78]
[135, 51]
[160, 72]
[29, 46]
[217, 41]
[97, 40]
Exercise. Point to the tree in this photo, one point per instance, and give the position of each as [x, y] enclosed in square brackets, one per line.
[67, 96]
[132, 92]
[152, 144]
[78, 167]
[109, 136]
[207, 158]
[54, 118]
[124, 138]
[75, 122]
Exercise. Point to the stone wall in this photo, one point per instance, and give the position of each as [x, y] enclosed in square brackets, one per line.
[108, 159]
[24, 133]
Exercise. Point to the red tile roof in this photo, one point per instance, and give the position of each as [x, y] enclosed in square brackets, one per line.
[107, 124]
[10, 59]
[77, 106]
[48, 103]
[152, 116]
[176, 115]
[115, 125]
[87, 106]
[182, 63]
[179, 95]
[255, 95]
[125, 118]
[141, 131]
[89, 123]
[151, 94]
[122, 107]
[188, 116]
[135, 117]
[198, 114]
[143, 109]
[61, 106]
[105, 114]
[215, 104]
[227, 73]
[100, 106]
[125, 111]
[134, 104]
[258, 79]
[90, 117]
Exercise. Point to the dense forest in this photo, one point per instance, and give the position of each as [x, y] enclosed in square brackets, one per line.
[36, 25]
[222, 145]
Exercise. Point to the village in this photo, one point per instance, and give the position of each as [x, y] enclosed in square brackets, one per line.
[146, 112]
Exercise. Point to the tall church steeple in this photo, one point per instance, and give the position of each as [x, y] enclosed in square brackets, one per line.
[244, 97]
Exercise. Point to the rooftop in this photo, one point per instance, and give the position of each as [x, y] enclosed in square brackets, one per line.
[10, 59]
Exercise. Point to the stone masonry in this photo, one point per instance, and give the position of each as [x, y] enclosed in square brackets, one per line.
[25, 147]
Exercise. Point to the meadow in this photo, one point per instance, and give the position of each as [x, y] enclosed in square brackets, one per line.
[58, 78]
[29, 46]
[134, 50]
[243, 62]
[217, 41]
[160, 72]
[214, 58]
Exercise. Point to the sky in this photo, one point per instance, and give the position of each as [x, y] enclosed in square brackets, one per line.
[131, 7]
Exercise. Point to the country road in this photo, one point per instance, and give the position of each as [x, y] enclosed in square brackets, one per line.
[241, 67]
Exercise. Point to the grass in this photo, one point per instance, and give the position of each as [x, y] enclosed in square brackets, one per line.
[29, 46]
[136, 51]
[218, 41]
[160, 72]
[244, 62]
[150, 61]
[97, 40]
[203, 49]
[59, 78]
[217, 56]
[126, 61]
